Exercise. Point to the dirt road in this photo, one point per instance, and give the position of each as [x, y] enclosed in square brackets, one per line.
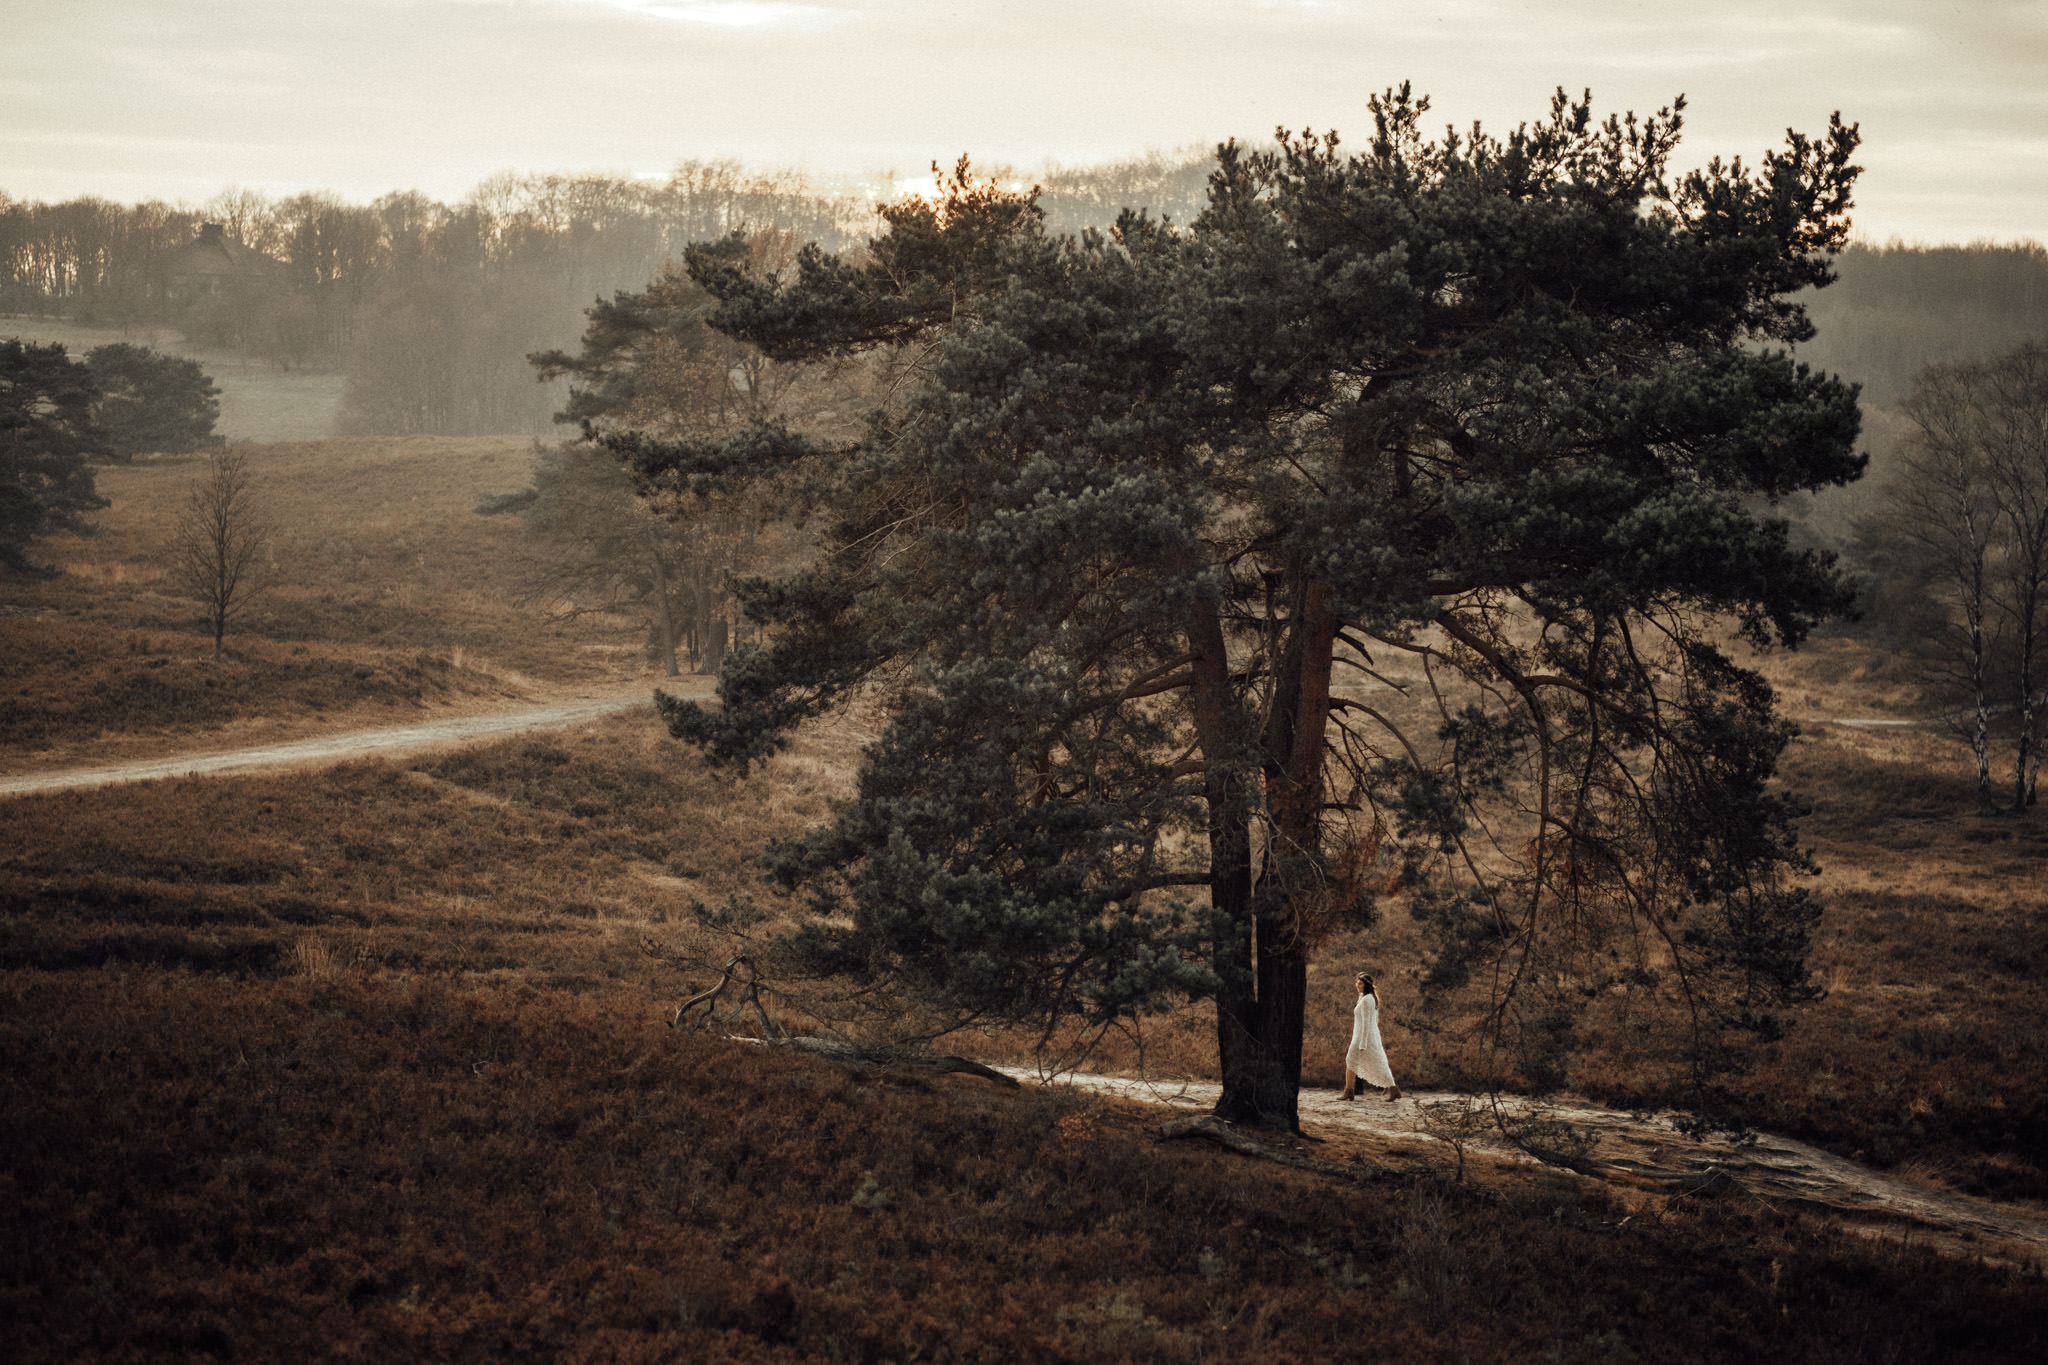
[1650, 1153]
[390, 740]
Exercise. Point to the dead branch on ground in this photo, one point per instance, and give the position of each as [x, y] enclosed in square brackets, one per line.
[750, 994]
[740, 970]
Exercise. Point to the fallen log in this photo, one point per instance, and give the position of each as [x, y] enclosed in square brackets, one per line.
[893, 1059]
[740, 970]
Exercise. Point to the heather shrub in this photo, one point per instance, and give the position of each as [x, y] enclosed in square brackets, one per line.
[390, 1165]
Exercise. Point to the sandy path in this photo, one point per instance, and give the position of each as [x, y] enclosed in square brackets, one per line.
[1649, 1152]
[353, 744]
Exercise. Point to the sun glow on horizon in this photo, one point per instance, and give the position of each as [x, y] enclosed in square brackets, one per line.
[732, 14]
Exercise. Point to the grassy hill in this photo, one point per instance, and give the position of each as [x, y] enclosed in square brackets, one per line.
[382, 594]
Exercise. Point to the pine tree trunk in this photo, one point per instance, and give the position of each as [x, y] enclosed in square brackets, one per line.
[712, 633]
[1262, 966]
[1230, 869]
[1294, 787]
[664, 618]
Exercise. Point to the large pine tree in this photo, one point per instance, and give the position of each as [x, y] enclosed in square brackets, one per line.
[1510, 409]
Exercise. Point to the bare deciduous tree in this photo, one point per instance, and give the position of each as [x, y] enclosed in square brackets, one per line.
[219, 538]
[1941, 507]
[1970, 503]
[2016, 443]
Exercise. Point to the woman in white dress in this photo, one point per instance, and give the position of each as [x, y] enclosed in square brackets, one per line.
[1366, 1059]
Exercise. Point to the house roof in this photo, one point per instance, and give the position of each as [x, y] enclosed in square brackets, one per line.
[215, 253]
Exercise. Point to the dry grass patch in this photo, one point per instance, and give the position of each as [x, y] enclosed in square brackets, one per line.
[376, 542]
[73, 691]
[381, 588]
[544, 859]
[399, 1165]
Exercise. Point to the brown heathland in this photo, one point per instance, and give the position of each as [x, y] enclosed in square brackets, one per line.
[372, 1063]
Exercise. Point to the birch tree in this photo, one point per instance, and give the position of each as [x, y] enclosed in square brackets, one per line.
[1942, 504]
[1970, 501]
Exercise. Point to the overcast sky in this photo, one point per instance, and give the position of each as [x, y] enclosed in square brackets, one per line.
[177, 99]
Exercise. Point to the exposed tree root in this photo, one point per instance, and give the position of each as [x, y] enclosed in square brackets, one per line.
[1213, 1129]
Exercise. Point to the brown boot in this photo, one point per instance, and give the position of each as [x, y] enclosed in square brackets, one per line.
[1393, 1093]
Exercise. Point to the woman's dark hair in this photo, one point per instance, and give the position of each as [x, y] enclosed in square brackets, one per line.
[1366, 979]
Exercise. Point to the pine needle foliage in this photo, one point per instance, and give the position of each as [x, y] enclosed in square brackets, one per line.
[48, 440]
[150, 402]
[1491, 424]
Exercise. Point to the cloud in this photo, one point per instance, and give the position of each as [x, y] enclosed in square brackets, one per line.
[736, 14]
[363, 96]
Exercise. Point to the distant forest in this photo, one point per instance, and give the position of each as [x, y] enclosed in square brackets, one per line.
[1899, 308]
[430, 309]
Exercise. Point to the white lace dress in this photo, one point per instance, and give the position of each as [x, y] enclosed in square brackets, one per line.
[1366, 1058]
